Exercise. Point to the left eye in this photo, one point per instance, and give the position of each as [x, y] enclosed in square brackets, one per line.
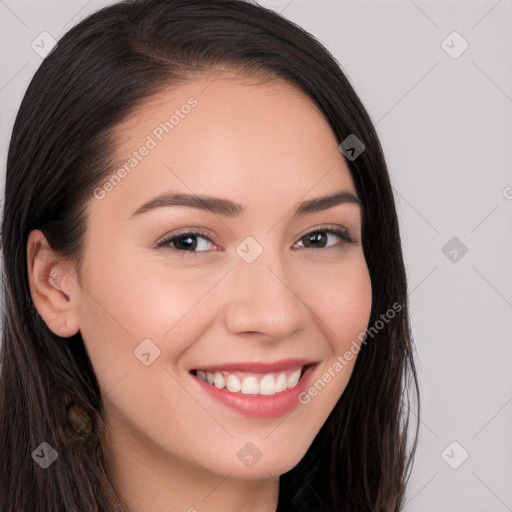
[323, 235]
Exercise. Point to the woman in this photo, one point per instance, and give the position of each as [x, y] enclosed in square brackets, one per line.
[205, 296]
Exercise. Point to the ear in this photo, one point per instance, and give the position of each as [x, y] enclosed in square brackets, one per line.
[53, 285]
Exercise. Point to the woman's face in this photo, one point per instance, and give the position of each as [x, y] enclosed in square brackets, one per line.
[246, 289]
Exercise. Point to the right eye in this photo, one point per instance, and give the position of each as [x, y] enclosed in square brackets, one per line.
[186, 242]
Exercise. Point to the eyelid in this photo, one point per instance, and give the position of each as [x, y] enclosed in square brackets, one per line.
[327, 227]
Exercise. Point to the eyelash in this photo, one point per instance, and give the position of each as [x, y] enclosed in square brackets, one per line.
[166, 242]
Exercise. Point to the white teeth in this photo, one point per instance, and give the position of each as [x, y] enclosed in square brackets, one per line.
[233, 384]
[219, 380]
[281, 383]
[294, 378]
[268, 385]
[250, 386]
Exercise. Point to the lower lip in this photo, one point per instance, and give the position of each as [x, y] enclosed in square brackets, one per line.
[260, 406]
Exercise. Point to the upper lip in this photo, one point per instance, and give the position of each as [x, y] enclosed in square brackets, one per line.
[257, 367]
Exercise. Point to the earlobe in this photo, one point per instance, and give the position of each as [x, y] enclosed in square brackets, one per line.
[54, 289]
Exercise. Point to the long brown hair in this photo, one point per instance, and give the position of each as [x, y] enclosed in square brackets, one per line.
[61, 149]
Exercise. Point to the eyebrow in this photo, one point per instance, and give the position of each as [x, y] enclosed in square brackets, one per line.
[229, 208]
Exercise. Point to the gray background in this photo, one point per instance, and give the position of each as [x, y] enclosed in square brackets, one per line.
[446, 128]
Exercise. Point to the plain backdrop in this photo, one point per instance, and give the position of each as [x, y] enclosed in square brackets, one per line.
[436, 78]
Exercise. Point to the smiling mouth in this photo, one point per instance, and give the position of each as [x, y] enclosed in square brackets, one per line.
[251, 383]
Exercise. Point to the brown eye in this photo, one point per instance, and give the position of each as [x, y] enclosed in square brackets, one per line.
[186, 242]
[320, 237]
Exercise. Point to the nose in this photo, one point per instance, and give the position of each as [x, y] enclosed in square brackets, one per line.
[262, 298]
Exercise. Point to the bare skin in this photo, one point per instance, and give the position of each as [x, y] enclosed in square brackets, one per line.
[172, 448]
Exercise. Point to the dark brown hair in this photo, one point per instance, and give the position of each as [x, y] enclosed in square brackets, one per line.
[62, 147]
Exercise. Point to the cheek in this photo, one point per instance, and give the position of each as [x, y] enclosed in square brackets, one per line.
[141, 296]
[343, 305]
[124, 306]
[343, 311]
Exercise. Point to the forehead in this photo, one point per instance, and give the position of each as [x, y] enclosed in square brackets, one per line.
[264, 140]
[223, 101]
